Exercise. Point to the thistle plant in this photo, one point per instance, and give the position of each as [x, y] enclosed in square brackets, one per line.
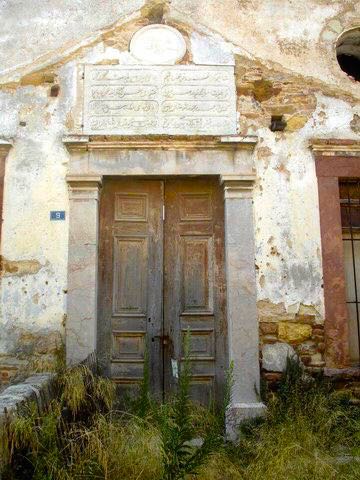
[178, 432]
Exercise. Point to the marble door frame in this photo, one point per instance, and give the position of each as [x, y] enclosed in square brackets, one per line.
[231, 159]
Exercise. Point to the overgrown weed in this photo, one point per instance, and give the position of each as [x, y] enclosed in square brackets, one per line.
[179, 427]
[307, 427]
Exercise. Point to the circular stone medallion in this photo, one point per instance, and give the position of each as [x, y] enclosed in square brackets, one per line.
[158, 45]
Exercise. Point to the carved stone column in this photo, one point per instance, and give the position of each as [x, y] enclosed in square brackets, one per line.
[243, 335]
[81, 321]
[4, 150]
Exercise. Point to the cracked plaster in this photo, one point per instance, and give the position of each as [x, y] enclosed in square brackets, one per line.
[287, 45]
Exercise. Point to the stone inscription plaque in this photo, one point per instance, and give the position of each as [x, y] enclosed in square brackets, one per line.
[174, 100]
[158, 45]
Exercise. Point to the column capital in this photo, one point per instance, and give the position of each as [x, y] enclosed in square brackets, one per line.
[237, 186]
[84, 186]
[84, 180]
[4, 148]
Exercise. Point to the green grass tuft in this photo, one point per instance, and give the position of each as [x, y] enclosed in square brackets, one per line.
[308, 432]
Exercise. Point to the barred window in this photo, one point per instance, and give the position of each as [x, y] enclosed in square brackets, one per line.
[350, 223]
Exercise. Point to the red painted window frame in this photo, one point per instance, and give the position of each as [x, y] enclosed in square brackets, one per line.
[330, 168]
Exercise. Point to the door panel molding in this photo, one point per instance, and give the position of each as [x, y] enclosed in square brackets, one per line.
[130, 261]
[197, 270]
[193, 301]
[130, 280]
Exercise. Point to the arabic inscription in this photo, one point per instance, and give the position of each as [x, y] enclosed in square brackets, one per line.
[175, 100]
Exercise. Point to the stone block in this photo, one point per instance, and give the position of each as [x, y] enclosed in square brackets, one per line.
[296, 122]
[318, 338]
[317, 360]
[269, 338]
[268, 328]
[318, 330]
[237, 413]
[294, 332]
[308, 319]
[30, 389]
[306, 359]
[309, 347]
[6, 374]
[40, 379]
[272, 377]
[274, 356]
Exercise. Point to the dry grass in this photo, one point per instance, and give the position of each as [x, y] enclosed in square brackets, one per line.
[81, 436]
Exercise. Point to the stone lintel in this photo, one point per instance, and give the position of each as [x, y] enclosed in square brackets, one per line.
[93, 142]
[238, 186]
[334, 146]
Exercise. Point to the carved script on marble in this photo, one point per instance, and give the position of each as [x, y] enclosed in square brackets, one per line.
[158, 44]
[173, 100]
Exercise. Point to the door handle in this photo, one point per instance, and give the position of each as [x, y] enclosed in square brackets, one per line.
[164, 339]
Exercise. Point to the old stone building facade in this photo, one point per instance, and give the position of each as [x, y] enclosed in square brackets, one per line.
[174, 165]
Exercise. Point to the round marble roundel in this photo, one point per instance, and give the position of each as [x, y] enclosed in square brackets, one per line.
[158, 45]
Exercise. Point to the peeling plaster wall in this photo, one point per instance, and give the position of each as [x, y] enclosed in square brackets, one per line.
[287, 218]
[285, 64]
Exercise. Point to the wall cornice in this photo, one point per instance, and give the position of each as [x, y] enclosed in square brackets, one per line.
[335, 147]
[88, 143]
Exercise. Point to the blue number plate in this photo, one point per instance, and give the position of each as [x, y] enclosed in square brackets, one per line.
[57, 215]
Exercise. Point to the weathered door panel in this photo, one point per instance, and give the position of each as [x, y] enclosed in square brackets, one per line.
[138, 306]
[130, 280]
[194, 283]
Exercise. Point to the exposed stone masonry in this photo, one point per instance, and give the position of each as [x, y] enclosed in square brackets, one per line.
[300, 330]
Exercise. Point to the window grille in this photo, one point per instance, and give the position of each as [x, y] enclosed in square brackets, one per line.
[350, 223]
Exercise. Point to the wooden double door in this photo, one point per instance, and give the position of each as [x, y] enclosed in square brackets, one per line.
[161, 273]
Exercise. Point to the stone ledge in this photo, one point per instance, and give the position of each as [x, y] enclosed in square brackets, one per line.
[37, 387]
